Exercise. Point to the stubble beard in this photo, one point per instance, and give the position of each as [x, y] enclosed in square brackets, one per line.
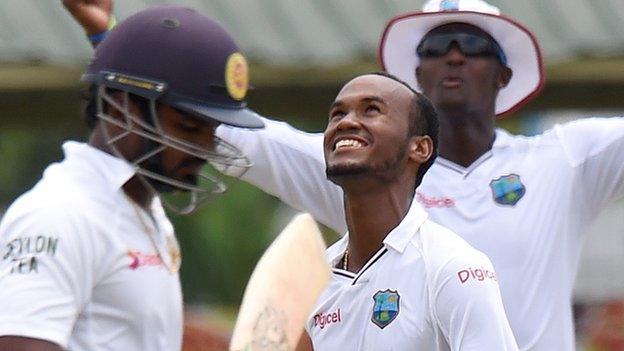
[154, 165]
[338, 172]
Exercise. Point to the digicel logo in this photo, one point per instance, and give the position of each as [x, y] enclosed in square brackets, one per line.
[479, 274]
[323, 319]
[432, 201]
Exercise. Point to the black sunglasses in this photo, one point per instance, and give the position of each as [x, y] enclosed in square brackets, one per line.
[437, 45]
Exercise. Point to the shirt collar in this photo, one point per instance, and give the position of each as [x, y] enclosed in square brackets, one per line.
[397, 239]
[402, 234]
[503, 139]
[114, 170]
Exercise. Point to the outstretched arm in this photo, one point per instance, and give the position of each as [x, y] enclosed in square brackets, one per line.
[595, 150]
[289, 164]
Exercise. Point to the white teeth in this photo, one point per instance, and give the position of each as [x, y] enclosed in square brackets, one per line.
[348, 143]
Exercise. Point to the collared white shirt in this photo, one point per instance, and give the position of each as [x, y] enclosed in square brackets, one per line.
[77, 266]
[426, 289]
[525, 204]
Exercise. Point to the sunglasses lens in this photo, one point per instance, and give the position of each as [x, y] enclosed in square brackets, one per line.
[475, 46]
[434, 46]
[438, 45]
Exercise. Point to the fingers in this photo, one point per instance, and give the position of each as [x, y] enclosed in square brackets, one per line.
[92, 15]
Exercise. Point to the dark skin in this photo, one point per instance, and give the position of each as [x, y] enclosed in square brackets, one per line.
[377, 164]
[175, 163]
[93, 15]
[463, 90]
[453, 146]
[378, 175]
[20, 343]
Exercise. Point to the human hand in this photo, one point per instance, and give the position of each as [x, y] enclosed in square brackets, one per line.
[92, 15]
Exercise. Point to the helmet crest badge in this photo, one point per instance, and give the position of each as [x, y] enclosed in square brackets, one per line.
[236, 76]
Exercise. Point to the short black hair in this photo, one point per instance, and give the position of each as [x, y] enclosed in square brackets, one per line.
[423, 120]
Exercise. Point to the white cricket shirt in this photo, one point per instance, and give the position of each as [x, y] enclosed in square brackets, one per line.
[77, 267]
[525, 204]
[426, 289]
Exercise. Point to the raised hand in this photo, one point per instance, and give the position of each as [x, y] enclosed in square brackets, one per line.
[92, 15]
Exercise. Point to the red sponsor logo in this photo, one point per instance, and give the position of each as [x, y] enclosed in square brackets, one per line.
[324, 319]
[432, 201]
[479, 274]
[142, 259]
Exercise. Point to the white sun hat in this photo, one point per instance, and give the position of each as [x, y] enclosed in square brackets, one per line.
[397, 49]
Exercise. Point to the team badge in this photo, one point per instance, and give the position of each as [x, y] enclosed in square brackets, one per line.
[386, 307]
[236, 76]
[449, 5]
[507, 190]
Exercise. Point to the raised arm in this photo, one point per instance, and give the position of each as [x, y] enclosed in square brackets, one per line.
[595, 150]
[289, 164]
[95, 16]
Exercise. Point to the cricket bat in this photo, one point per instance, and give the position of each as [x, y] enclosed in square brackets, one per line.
[282, 290]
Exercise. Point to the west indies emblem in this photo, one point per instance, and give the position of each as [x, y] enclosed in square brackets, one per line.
[386, 307]
[508, 189]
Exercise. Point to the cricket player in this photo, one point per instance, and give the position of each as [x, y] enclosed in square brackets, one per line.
[523, 201]
[400, 281]
[88, 258]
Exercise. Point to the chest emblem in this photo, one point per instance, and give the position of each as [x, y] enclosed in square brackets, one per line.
[386, 307]
[508, 189]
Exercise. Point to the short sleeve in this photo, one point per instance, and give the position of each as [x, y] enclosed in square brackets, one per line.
[46, 272]
[595, 149]
[468, 307]
[289, 164]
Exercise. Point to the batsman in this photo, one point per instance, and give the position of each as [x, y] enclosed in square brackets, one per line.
[89, 258]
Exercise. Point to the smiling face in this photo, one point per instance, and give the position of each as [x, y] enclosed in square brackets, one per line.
[457, 81]
[368, 129]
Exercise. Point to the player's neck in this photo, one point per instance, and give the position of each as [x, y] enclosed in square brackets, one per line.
[138, 192]
[463, 139]
[371, 214]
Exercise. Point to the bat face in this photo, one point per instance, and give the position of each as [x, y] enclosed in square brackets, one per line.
[269, 333]
[282, 290]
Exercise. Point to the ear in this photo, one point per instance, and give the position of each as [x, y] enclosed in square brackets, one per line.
[505, 77]
[420, 149]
